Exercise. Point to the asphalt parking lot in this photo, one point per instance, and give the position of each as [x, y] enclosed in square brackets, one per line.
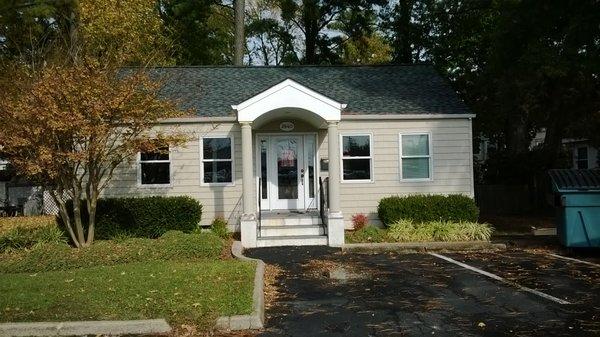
[318, 291]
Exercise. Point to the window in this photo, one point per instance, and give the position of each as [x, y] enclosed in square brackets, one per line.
[582, 158]
[155, 167]
[217, 160]
[415, 156]
[356, 158]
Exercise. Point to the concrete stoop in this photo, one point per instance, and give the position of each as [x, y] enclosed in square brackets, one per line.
[289, 229]
[256, 319]
[300, 240]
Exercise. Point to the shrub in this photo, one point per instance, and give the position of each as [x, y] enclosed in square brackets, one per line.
[359, 221]
[367, 234]
[27, 232]
[148, 217]
[219, 228]
[408, 231]
[427, 208]
[173, 245]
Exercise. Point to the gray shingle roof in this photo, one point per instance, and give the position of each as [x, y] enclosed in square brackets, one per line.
[399, 89]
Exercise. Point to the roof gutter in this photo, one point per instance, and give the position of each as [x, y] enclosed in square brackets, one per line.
[407, 116]
[227, 119]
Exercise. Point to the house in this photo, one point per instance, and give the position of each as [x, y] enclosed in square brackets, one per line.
[17, 195]
[288, 154]
[584, 155]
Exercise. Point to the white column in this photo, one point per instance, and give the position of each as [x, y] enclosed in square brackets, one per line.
[335, 219]
[248, 222]
[333, 139]
[247, 195]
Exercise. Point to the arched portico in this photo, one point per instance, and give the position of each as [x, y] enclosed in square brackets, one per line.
[289, 99]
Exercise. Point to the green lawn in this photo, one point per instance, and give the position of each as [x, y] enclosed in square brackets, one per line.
[193, 292]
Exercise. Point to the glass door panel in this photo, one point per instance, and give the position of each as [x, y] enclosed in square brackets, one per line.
[287, 168]
[287, 150]
[309, 149]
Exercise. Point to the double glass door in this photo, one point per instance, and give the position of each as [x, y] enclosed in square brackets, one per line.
[287, 172]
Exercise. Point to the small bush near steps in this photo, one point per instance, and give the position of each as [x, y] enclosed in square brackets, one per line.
[219, 228]
[359, 221]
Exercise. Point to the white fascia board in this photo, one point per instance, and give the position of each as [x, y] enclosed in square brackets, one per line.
[407, 116]
[289, 94]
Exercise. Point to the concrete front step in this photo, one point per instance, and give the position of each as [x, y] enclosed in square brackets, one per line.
[295, 221]
[299, 240]
[292, 230]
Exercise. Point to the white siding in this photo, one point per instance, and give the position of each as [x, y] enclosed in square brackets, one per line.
[451, 155]
[185, 175]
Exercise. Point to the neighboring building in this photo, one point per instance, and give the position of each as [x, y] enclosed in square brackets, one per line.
[264, 138]
[18, 192]
[584, 155]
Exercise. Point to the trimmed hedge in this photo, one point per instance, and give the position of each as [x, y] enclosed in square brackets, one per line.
[173, 245]
[29, 231]
[148, 217]
[427, 208]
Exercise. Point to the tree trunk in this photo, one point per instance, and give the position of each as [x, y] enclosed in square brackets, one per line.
[92, 220]
[92, 201]
[238, 58]
[403, 50]
[73, 31]
[78, 221]
[57, 196]
[76, 194]
[517, 140]
[310, 17]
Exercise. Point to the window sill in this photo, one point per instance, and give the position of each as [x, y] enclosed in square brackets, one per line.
[155, 186]
[357, 181]
[416, 180]
[217, 184]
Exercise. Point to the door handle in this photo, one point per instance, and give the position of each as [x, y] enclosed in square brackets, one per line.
[302, 176]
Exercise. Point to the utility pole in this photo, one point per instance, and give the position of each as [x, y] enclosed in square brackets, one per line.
[238, 58]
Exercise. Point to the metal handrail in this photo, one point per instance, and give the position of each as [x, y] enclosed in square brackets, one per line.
[323, 200]
[258, 234]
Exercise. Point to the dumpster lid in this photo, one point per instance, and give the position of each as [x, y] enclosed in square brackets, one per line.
[565, 180]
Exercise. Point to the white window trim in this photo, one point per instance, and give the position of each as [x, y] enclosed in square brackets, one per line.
[202, 160]
[371, 158]
[139, 171]
[587, 156]
[430, 156]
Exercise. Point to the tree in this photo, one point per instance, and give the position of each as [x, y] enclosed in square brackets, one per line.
[68, 128]
[312, 18]
[132, 32]
[270, 40]
[360, 42]
[240, 42]
[202, 31]
[35, 31]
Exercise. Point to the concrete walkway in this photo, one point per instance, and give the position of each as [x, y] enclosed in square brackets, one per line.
[323, 292]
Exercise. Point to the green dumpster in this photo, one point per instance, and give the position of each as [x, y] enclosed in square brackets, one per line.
[578, 206]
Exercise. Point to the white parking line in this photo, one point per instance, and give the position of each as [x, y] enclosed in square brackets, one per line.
[501, 279]
[574, 260]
